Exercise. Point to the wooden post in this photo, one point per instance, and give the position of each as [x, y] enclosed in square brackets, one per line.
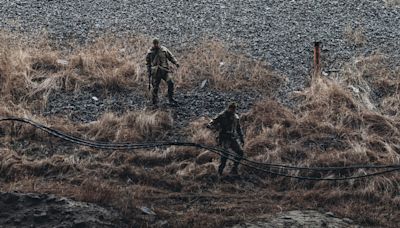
[317, 59]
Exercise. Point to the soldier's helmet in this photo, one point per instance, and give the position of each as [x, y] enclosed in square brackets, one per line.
[232, 105]
[156, 41]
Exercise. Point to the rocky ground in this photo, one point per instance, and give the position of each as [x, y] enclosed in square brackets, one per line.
[33, 210]
[306, 218]
[89, 105]
[38, 210]
[278, 31]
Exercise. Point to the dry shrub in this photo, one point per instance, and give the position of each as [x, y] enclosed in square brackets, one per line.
[391, 106]
[327, 100]
[178, 154]
[264, 121]
[195, 171]
[392, 3]
[157, 178]
[4, 110]
[355, 35]
[199, 133]
[225, 70]
[132, 126]
[371, 79]
[333, 126]
[338, 122]
[9, 164]
[267, 113]
[31, 70]
[97, 191]
[17, 132]
[15, 72]
[14, 166]
[110, 63]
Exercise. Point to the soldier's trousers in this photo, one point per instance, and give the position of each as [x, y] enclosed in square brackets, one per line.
[156, 80]
[230, 144]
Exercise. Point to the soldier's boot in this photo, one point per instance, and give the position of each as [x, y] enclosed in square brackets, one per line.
[239, 157]
[220, 170]
[171, 99]
[234, 171]
[154, 98]
[222, 166]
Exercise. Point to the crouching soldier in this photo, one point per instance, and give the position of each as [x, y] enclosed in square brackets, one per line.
[230, 136]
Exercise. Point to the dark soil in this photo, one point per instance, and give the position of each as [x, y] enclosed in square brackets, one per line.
[33, 210]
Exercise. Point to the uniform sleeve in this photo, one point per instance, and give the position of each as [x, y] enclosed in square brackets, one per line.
[239, 131]
[170, 56]
[216, 121]
[148, 60]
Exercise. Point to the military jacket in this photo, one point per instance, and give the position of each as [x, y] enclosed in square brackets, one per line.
[228, 125]
[159, 58]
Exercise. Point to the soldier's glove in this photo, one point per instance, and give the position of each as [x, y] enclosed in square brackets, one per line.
[242, 141]
[209, 126]
[177, 65]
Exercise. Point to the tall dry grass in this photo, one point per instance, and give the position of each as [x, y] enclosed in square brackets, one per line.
[355, 35]
[30, 70]
[132, 127]
[224, 69]
[392, 3]
[340, 121]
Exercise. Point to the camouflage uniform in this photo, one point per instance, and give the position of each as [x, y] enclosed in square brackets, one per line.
[157, 65]
[230, 137]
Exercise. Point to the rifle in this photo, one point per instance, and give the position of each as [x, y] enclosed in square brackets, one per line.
[149, 75]
[149, 82]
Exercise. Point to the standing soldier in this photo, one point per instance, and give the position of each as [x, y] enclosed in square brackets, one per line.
[157, 67]
[230, 136]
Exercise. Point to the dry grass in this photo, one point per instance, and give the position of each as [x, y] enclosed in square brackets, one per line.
[392, 3]
[349, 120]
[355, 35]
[31, 70]
[225, 70]
[132, 126]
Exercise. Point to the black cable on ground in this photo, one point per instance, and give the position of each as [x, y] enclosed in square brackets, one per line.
[221, 152]
[129, 146]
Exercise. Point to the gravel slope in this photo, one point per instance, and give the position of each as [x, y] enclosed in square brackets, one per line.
[278, 31]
